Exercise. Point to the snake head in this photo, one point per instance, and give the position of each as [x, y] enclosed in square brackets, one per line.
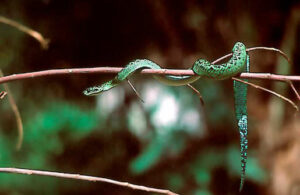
[92, 91]
[95, 90]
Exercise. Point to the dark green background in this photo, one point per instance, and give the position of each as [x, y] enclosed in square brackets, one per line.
[170, 141]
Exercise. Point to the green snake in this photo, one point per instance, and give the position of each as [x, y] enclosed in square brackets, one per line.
[239, 62]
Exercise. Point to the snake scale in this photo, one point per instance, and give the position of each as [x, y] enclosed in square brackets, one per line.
[239, 62]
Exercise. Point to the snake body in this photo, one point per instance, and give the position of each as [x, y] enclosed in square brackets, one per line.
[201, 67]
[238, 63]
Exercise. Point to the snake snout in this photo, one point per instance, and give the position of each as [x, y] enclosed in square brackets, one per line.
[92, 91]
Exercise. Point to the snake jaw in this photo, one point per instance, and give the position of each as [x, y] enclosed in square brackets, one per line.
[92, 91]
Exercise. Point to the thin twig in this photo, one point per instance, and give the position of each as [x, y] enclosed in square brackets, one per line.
[85, 178]
[270, 91]
[294, 89]
[271, 49]
[16, 111]
[135, 91]
[254, 49]
[198, 93]
[36, 35]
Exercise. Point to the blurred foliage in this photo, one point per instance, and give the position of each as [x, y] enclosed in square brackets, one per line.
[170, 141]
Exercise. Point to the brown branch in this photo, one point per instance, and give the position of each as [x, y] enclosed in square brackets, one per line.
[36, 35]
[176, 72]
[16, 111]
[115, 70]
[85, 178]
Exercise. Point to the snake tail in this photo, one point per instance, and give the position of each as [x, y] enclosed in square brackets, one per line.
[240, 99]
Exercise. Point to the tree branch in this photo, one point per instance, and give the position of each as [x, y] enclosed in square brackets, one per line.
[176, 72]
[115, 70]
[85, 178]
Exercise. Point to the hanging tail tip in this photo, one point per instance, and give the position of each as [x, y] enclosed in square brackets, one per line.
[241, 185]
